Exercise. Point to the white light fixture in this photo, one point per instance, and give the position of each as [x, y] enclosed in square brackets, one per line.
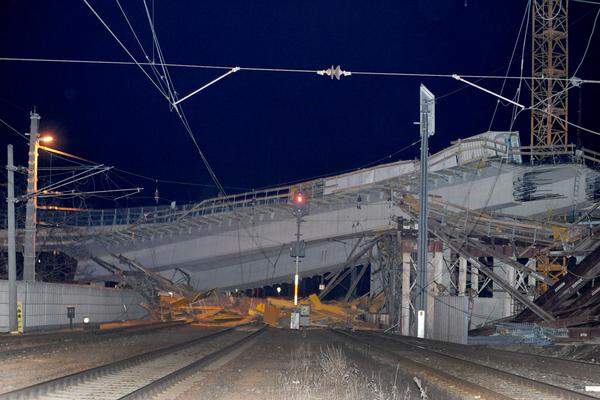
[86, 320]
[278, 289]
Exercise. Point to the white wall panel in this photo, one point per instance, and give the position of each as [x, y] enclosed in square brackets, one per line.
[45, 304]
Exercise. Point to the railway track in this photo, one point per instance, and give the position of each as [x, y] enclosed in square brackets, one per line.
[17, 345]
[456, 377]
[137, 377]
[581, 370]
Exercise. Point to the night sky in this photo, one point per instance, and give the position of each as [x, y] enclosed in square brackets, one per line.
[262, 129]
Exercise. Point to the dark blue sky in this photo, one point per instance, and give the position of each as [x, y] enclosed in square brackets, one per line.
[260, 129]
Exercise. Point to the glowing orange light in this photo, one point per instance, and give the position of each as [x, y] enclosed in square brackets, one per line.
[46, 139]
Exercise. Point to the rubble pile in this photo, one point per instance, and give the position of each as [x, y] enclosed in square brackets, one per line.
[166, 300]
[224, 310]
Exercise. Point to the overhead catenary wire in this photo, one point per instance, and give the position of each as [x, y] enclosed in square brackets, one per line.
[589, 41]
[172, 98]
[78, 160]
[524, 21]
[15, 130]
[290, 70]
[596, 3]
[124, 48]
[152, 66]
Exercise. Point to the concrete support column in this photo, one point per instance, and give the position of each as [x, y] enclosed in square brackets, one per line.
[462, 276]
[508, 273]
[509, 303]
[475, 281]
[439, 270]
[405, 312]
[445, 261]
[29, 252]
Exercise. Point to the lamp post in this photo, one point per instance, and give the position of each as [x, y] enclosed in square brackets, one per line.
[29, 258]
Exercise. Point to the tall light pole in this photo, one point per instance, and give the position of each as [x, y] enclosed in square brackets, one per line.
[298, 248]
[427, 128]
[31, 214]
[12, 252]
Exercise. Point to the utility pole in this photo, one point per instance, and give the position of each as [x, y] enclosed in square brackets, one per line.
[29, 259]
[427, 128]
[298, 248]
[12, 252]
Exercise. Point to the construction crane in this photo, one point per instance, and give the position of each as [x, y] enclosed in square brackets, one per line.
[549, 96]
[549, 99]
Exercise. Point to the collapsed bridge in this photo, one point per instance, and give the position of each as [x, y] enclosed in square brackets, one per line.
[496, 222]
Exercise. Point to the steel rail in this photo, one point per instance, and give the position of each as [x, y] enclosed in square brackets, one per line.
[42, 388]
[585, 369]
[39, 342]
[447, 385]
[508, 377]
[174, 377]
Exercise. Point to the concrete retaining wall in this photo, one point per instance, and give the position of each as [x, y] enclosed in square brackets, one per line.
[45, 304]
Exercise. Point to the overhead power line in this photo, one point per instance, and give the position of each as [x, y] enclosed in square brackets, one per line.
[287, 70]
[596, 3]
[124, 47]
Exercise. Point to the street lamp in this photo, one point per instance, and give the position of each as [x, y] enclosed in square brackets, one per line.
[46, 139]
[30, 210]
[35, 139]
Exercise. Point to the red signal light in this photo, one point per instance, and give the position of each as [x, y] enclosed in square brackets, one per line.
[299, 199]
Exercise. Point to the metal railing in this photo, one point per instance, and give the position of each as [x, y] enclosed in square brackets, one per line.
[165, 214]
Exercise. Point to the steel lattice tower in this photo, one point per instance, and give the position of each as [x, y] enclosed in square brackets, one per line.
[549, 97]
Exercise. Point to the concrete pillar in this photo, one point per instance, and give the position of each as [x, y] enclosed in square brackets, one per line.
[439, 270]
[506, 301]
[462, 275]
[29, 252]
[445, 261]
[405, 313]
[509, 302]
[475, 280]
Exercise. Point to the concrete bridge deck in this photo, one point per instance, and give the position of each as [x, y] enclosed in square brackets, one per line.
[242, 240]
